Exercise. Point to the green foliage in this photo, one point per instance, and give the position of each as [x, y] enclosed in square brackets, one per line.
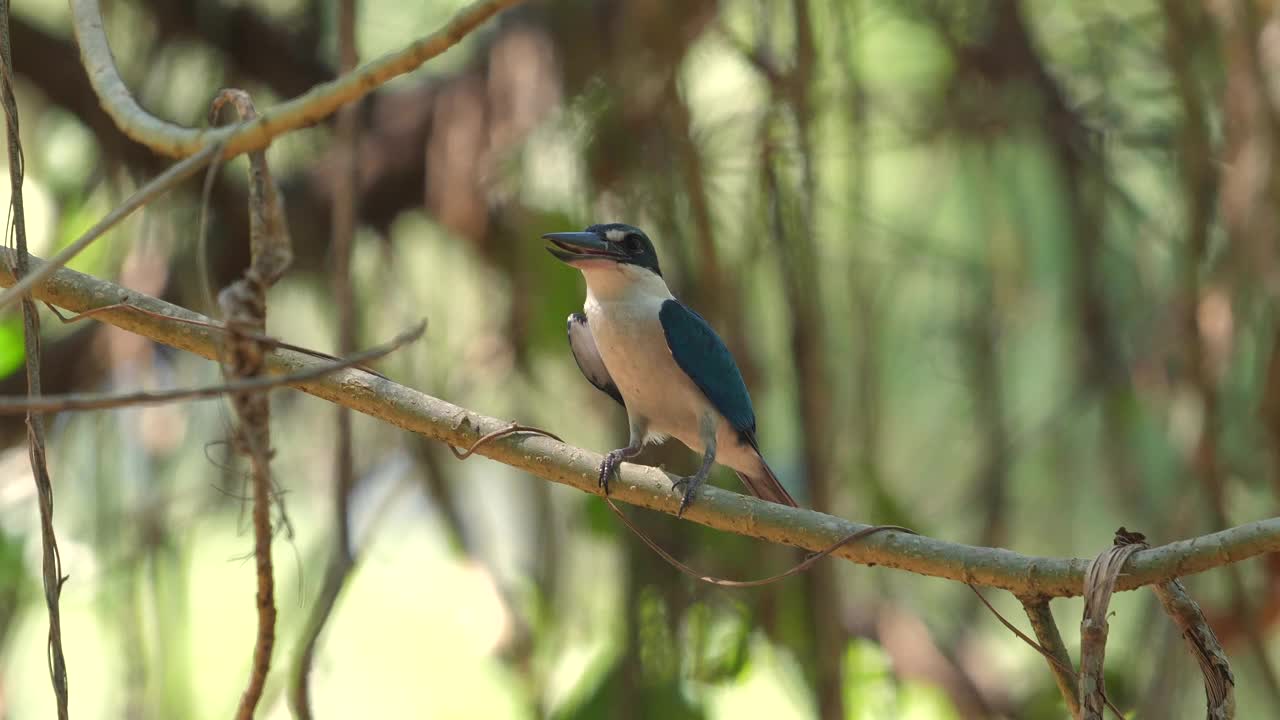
[12, 345]
[598, 518]
[659, 660]
[77, 217]
[872, 691]
[716, 642]
[15, 586]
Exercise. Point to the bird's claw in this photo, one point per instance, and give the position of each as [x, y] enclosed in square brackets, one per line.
[690, 485]
[608, 467]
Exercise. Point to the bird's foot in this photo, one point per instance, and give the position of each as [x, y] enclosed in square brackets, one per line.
[609, 467]
[690, 485]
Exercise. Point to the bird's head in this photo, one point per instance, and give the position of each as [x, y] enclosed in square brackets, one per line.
[614, 245]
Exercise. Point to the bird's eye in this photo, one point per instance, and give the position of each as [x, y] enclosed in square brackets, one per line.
[632, 243]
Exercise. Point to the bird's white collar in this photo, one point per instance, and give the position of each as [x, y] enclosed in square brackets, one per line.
[609, 281]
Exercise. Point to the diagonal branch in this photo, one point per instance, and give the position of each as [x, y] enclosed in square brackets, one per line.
[199, 146]
[648, 487]
[1050, 638]
[18, 405]
[1219, 682]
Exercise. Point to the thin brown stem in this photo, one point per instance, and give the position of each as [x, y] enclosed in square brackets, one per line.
[511, 429]
[1048, 654]
[265, 640]
[51, 561]
[97, 401]
[267, 340]
[244, 307]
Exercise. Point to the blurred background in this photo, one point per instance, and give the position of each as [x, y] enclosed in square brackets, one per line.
[1003, 272]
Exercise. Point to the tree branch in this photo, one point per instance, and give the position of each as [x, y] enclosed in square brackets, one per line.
[1219, 682]
[649, 487]
[306, 109]
[1046, 630]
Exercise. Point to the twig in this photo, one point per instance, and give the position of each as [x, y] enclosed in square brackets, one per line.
[267, 340]
[649, 487]
[161, 184]
[51, 560]
[1219, 683]
[99, 401]
[511, 429]
[1046, 630]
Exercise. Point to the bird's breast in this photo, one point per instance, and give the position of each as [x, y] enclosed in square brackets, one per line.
[633, 347]
[631, 341]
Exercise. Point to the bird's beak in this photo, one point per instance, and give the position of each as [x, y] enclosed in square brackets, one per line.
[575, 247]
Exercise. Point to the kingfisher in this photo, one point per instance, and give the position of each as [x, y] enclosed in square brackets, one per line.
[661, 361]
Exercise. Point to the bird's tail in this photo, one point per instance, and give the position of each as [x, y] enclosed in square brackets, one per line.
[766, 486]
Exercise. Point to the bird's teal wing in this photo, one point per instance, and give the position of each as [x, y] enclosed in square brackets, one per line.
[583, 345]
[705, 359]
